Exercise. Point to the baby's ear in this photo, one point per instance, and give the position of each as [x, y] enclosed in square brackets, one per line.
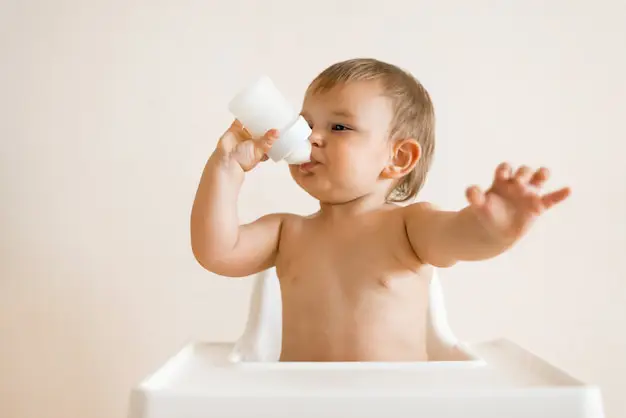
[405, 155]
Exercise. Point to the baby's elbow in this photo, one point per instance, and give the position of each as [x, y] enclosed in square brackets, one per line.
[202, 256]
[446, 263]
[440, 261]
[213, 264]
[217, 262]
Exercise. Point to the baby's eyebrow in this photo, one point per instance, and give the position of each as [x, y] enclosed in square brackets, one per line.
[339, 112]
[342, 113]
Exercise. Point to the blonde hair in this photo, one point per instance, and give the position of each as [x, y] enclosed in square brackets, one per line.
[414, 115]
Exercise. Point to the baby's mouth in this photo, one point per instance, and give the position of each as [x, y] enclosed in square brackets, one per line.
[307, 167]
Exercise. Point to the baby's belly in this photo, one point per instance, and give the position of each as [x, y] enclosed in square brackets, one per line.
[372, 324]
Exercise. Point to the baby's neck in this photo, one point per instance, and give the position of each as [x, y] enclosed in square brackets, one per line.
[336, 212]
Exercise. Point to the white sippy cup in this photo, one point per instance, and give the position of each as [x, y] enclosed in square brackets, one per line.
[261, 107]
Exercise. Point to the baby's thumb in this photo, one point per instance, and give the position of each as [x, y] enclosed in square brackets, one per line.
[270, 137]
[266, 142]
[475, 196]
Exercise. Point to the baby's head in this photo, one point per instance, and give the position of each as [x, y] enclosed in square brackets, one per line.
[373, 133]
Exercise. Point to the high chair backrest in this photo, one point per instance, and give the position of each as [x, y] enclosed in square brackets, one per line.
[262, 337]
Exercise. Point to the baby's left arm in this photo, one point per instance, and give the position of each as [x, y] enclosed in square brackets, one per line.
[492, 222]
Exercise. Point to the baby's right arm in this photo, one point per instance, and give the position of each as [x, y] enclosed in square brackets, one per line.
[219, 242]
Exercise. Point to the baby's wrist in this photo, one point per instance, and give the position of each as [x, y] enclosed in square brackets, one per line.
[487, 232]
[225, 163]
[498, 238]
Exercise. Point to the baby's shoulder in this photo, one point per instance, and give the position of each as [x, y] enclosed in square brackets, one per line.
[291, 221]
[419, 211]
[294, 217]
[422, 206]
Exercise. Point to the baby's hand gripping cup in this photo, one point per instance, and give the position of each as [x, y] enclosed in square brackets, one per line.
[261, 107]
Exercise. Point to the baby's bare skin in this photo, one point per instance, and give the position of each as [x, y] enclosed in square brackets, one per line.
[352, 290]
[354, 276]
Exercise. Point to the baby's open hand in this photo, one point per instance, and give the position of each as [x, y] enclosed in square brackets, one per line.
[513, 201]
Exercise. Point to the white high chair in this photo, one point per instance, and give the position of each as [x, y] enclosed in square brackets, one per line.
[491, 379]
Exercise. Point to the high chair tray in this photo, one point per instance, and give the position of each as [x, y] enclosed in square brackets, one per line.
[498, 379]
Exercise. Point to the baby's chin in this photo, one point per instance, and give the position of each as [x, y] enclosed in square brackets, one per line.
[313, 184]
[319, 187]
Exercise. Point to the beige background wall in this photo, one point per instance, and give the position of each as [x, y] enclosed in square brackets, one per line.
[109, 110]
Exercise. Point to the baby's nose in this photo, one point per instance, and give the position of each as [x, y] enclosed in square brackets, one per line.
[316, 139]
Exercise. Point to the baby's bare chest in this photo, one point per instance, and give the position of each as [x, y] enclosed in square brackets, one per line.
[374, 251]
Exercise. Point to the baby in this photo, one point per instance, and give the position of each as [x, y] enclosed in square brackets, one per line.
[354, 276]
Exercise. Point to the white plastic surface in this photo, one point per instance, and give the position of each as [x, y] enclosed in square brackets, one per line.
[261, 107]
[293, 145]
[493, 379]
[509, 382]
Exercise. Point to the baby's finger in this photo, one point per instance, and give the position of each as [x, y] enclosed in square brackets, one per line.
[522, 175]
[553, 198]
[503, 172]
[540, 177]
[267, 140]
[475, 196]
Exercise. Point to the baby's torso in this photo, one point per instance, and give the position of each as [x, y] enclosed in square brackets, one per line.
[354, 292]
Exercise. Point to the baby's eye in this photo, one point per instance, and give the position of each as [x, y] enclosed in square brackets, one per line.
[339, 127]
